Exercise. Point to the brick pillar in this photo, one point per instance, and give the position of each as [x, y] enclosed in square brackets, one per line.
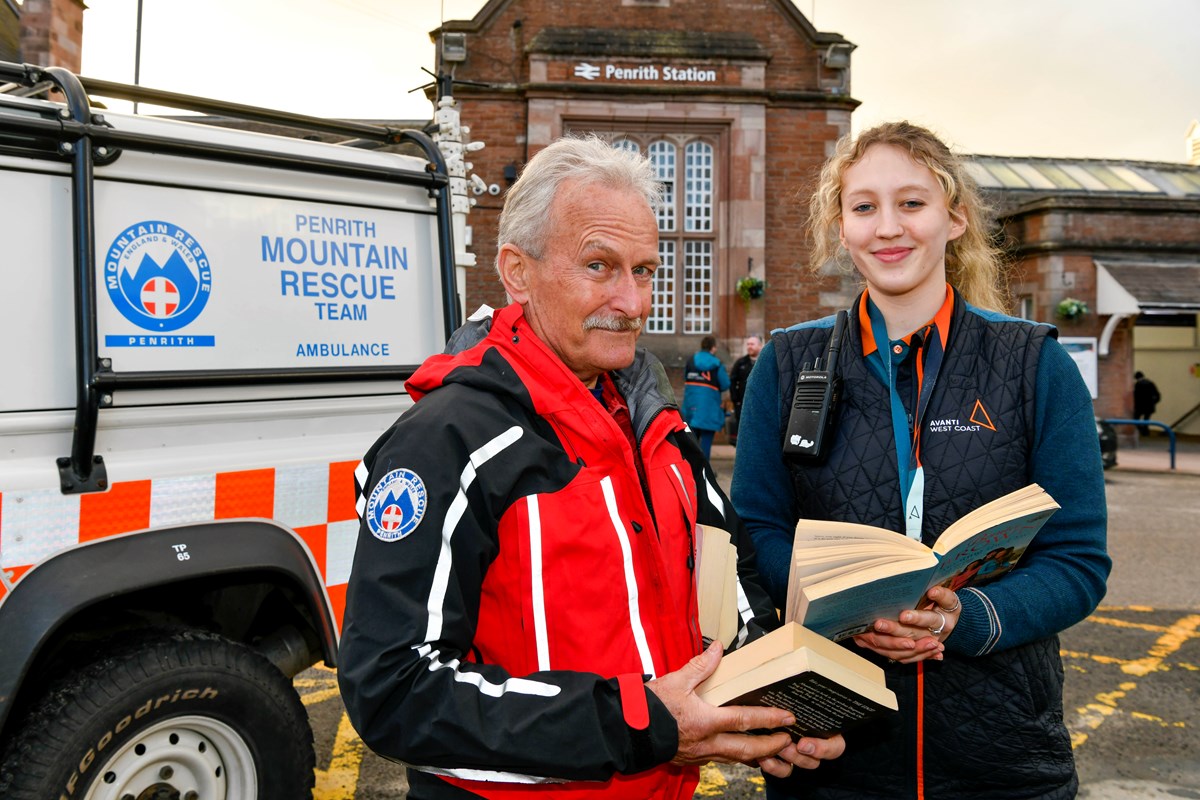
[52, 33]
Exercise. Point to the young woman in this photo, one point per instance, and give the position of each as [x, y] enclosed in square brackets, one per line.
[946, 405]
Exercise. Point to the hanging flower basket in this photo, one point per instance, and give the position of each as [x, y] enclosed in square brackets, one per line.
[751, 288]
[1071, 309]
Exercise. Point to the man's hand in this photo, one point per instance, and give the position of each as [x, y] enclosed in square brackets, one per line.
[711, 733]
[807, 753]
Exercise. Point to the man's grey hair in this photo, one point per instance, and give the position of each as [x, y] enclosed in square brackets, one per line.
[525, 220]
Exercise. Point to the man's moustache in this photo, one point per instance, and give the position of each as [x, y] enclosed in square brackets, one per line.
[616, 324]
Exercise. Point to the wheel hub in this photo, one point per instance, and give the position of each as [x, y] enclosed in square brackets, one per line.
[182, 758]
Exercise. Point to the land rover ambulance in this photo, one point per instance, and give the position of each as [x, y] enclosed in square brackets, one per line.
[204, 328]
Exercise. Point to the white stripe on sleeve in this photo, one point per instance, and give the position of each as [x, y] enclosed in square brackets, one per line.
[458, 507]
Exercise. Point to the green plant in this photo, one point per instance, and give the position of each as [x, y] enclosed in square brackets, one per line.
[1070, 308]
[751, 288]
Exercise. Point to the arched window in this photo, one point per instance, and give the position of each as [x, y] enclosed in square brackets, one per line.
[698, 252]
[683, 293]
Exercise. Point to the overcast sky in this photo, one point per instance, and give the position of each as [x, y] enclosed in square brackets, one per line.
[1077, 78]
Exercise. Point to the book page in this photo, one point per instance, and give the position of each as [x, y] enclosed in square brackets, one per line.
[823, 574]
[712, 547]
[850, 603]
[1026, 500]
[730, 621]
[826, 533]
[989, 554]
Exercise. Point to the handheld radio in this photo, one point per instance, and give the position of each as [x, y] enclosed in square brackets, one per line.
[814, 403]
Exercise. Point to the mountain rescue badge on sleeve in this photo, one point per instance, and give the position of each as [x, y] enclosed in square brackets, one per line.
[397, 505]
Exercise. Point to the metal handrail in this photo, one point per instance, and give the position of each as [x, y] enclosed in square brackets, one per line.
[1150, 423]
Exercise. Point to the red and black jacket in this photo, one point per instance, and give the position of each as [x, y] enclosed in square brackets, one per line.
[521, 571]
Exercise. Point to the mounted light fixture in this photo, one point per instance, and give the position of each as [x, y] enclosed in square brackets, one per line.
[837, 55]
[836, 58]
[454, 47]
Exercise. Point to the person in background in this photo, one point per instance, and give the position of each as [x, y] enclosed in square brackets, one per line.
[521, 612]
[1145, 396]
[947, 404]
[739, 373]
[704, 380]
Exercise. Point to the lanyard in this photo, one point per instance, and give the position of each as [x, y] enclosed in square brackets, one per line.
[928, 362]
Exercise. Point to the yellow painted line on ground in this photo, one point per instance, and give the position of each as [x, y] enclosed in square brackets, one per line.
[1152, 718]
[323, 687]
[1099, 659]
[712, 781]
[340, 781]
[1174, 636]
[715, 783]
[1124, 623]
[312, 698]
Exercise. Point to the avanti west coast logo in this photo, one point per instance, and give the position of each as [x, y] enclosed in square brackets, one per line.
[159, 278]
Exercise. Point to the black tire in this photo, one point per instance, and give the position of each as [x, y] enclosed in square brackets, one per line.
[193, 715]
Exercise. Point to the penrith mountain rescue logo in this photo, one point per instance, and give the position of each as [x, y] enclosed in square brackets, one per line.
[396, 505]
[157, 276]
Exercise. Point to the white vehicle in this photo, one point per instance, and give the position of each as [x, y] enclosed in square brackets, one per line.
[207, 327]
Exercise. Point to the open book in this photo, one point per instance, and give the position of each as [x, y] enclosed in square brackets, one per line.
[844, 576]
[827, 687]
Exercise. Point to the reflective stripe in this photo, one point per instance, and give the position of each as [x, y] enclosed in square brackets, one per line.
[489, 688]
[537, 590]
[361, 475]
[631, 586]
[458, 507]
[682, 485]
[37, 523]
[485, 775]
[714, 497]
[745, 614]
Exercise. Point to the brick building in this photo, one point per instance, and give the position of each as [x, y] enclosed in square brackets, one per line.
[738, 104]
[711, 92]
[51, 32]
[10, 30]
[1124, 237]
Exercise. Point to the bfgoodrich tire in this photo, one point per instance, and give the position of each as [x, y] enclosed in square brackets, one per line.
[189, 715]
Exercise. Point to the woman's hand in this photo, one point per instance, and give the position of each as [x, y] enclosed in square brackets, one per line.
[918, 634]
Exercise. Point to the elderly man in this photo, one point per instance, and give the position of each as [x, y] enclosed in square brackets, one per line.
[521, 616]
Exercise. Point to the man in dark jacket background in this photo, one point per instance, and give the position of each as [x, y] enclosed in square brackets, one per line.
[738, 376]
[1145, 396]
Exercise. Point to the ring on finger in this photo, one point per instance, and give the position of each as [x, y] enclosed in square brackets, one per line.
[941, 627]
[957, 605]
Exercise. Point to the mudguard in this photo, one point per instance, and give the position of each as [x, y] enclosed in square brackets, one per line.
[70, 581]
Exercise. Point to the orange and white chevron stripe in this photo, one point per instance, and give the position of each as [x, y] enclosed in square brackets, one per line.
[314, 500]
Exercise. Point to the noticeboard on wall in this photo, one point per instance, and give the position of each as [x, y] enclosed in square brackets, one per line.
[1082, 350]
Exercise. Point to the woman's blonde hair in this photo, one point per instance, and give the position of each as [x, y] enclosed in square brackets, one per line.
[973, 262]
